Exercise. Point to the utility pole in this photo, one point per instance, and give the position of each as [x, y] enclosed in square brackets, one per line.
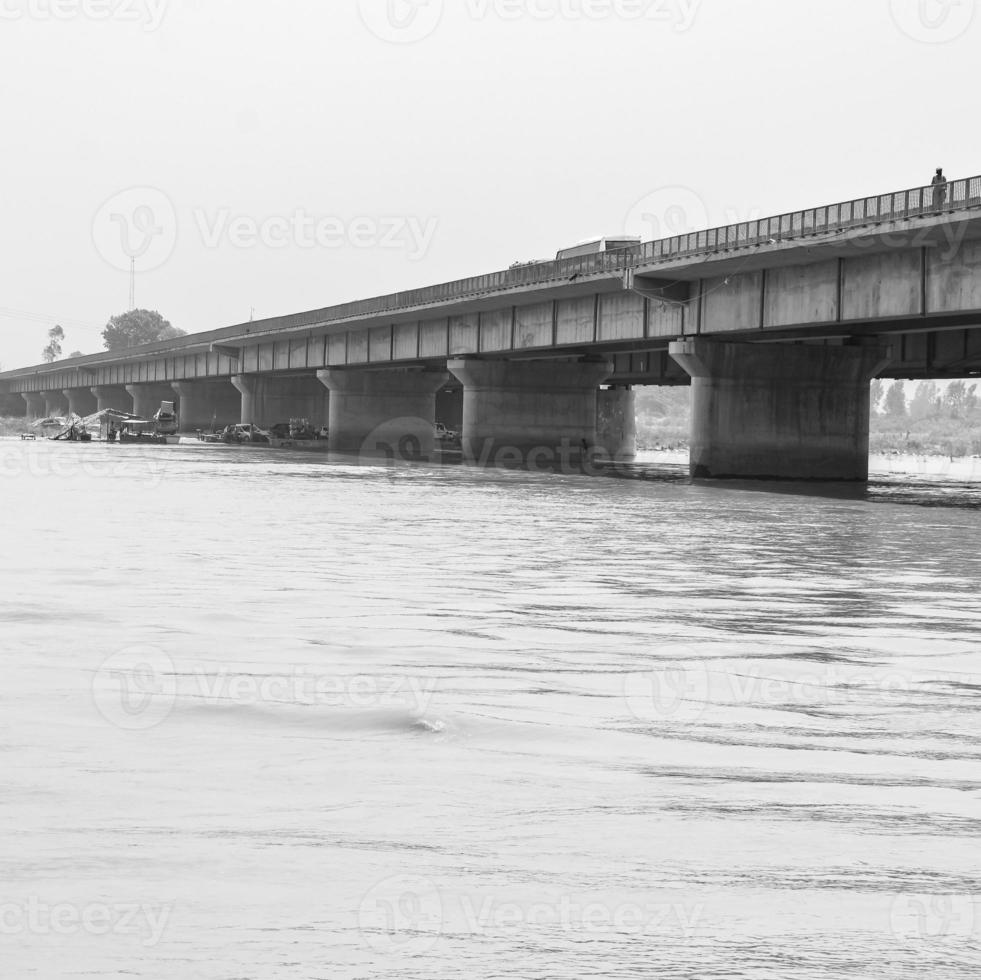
[132, 282]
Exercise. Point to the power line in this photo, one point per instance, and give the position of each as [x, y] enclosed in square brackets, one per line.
[47, 318]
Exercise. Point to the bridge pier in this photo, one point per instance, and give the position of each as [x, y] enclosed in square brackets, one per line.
[36, 408]
[529, 413]
[81, 401]
[616, 423]
[112, 396]
[12, 405]
[204, 404]
[779, 411]
[268, 399]
[382, 412]
[55, 403]
[147, 398]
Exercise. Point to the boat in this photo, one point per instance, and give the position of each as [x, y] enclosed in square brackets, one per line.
[50, 426]
[165, 420]
[143, 431]
[447, 440]
[73, 429]
[297, 434]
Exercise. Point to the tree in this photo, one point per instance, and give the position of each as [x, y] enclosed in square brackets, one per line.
[895, 401]
[875, 394]
[53, 351]
[76, 353]
[138, 327]
[926, 402]
[960, 400]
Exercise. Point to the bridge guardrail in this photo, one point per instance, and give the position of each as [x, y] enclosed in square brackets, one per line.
[785, 227]
[916, 201]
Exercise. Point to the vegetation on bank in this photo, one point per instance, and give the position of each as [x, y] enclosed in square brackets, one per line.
[13, 426]
[920, 418]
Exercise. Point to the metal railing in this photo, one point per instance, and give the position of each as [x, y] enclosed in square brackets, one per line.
[831, 218]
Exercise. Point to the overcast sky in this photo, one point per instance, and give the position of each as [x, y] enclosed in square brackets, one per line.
[281, 157]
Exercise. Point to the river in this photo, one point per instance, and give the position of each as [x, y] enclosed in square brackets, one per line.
[266, 715]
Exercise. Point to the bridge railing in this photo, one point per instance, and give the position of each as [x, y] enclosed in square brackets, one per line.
[828, 219]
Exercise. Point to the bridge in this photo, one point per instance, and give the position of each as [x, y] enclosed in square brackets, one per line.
[779, 324]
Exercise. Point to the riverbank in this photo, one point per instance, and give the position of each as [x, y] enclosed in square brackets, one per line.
[13, 427]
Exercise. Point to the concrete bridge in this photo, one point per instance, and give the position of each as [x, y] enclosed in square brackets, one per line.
[779, 324]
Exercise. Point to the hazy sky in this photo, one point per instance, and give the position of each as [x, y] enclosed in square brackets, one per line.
[288, 156]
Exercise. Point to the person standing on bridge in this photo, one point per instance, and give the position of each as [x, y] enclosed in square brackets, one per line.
[939, 183]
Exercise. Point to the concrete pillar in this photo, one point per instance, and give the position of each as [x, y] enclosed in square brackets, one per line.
[81, 401]
[382, 413]
[35, 405]
[55, 403]
[147, 398]
[12, 405]
[616, 423]
[779, 411]
[112, 396]
[268, 399]
[204, 404]
[530, 413]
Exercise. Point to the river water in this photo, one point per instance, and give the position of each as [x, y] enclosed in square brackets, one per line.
[266, 715]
